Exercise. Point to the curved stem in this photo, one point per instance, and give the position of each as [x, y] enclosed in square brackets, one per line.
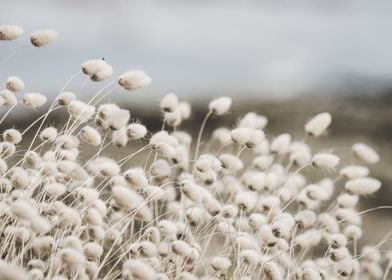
[9, 111]
[11, 55]
[200, 135]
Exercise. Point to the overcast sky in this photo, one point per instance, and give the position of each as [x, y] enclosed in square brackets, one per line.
[202, 48]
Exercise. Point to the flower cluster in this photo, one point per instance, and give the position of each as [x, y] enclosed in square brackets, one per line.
[236, 205]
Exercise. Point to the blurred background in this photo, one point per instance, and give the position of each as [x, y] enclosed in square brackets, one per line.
[287, 60]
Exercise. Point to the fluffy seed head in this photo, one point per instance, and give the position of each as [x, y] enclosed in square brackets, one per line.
[119, 138]
[54, 189]
[12, 135]
[363, 186]
[8, 98]
[126, 198]
[325, 161]
[136, 178]
[92, 250]
[247, 136]
[10, 32]
[181, 248]
[318, 124]
[231, 162]
[185, 110]
[354, 171]
[90, 136]
[102, 74]
[246, 200]
[220, 105]
[9, 271]
[281, 144]
[34, 100]
[80, 111]
[169, 103]
[15, 84]
[92, 66]
[256, 220]
[220, 264]
[253, 120]
[138, 270]
[353, 232]
[48, 134]
[136, 131]
[65, 98]
[173, 118]
[222, 136]
[365, 153]
[41, 38]
[23, 210]
[346, 200]
[134, 80]
[71, 257]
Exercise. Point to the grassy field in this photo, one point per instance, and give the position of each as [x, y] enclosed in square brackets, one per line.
[355, 119]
